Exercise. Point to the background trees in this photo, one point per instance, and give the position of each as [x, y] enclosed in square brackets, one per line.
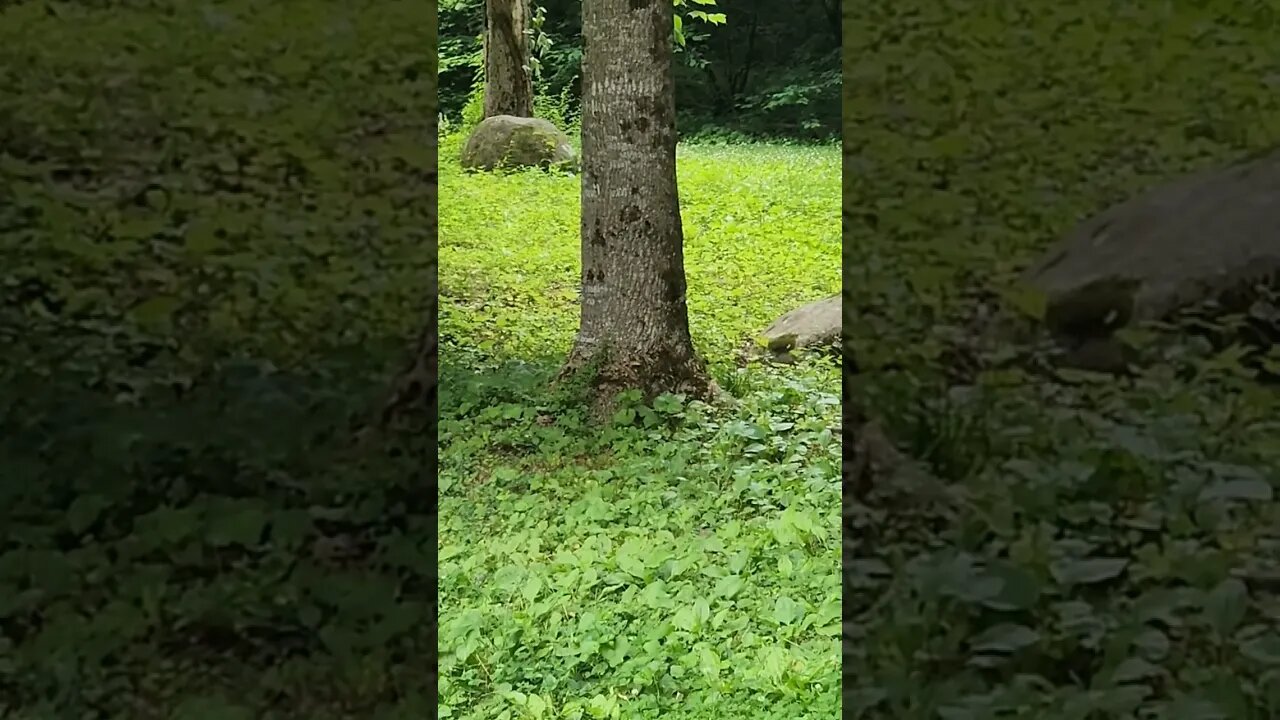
[770, 70]
[508, 85]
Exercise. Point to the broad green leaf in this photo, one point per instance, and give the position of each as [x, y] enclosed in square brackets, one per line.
[631, 556]
[1089, 570]
[729, 586]
[1194, 708]
[84, 511]
[156, 313]
[236, 523]
[1134, 669]
[532, 586]
[1255, 489]
[1225, 606]
[1019, 589]
[787, 611]
[684, 619]
[1004, 638]
[1264, 649]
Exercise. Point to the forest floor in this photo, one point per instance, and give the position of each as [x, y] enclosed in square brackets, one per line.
[680, 562]
[212, 258]
[1117, 550]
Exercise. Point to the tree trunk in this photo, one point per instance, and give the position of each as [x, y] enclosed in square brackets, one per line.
[508, 86]
[412, 404]
[832, 10]
[634, 330]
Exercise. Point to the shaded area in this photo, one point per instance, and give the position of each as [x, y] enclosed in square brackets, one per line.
[1105, 546]
[215, 231]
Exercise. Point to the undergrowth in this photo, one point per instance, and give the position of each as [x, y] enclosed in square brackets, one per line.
[1117, 554]
[212, 256]
[680, 562]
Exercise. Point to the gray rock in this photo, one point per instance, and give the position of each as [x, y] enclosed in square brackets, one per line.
[516, 142]
[1211, 236]
[813, 326]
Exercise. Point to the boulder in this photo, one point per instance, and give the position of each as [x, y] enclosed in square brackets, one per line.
[1212, 236]
[515, 142]
[814, 326]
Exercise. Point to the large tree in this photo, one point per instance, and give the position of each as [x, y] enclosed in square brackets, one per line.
[634, 330]
[508, 84]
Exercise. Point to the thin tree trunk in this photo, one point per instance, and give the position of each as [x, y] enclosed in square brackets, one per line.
[412, 404]
[832, 10]
[508, 86]
[743, 76]
[634, 330]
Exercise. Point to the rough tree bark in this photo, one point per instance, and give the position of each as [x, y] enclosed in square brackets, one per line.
[634, 330]
[508, 86]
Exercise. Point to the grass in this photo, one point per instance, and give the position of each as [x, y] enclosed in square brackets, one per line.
[680, 562]
[1117, 555]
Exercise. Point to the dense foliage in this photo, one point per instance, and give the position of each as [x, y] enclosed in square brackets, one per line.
[680, 561]
[770, 69]
[1117, 555]
[211, 257]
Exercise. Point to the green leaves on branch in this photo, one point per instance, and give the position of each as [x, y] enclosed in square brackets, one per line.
[702, 15]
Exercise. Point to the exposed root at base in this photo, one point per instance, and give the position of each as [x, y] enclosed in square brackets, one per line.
[652, 376]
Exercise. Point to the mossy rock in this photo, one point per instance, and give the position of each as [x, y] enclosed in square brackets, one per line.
[517, 142]
[1208, 240]
[815, 326]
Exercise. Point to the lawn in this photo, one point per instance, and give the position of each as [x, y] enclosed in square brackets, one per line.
[1117, 555]
[680, 561]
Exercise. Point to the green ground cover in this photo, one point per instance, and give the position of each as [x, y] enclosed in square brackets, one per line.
[212, 256]
[682, 561]
[1118, 555]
